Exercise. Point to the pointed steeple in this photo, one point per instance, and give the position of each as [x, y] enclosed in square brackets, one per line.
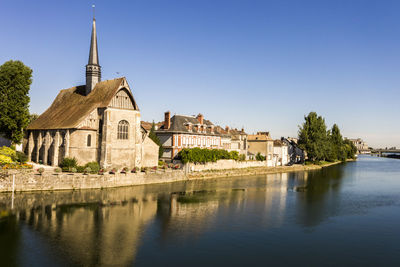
[93, 54]
[93, 69]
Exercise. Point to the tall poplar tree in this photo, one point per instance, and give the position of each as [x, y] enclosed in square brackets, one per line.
[313, 137]
[336, 143]
[15, 81]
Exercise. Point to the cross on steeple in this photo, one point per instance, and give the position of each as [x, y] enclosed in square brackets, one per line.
[93, 69]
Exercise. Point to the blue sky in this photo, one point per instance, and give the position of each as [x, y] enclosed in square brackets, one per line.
[257, 64]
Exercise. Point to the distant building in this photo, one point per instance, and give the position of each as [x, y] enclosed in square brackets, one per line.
[281, 157]
[181, 131]
[295, 153]
[362, 147]
[261, 143]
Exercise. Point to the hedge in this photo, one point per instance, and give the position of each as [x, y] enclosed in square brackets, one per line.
[199, 155]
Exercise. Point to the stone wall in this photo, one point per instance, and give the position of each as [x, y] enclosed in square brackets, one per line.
[29, 180]
[226, 164]
[150, 153]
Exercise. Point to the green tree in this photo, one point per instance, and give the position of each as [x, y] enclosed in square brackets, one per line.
[156, 140]
[336, 144]
[350, 148]
[15, 81]
[313, 137]
[33, 117]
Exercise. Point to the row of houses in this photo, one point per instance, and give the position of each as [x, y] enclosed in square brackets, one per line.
[183, 131]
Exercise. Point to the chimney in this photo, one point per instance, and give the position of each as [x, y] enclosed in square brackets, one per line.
[200, 118]
[167, 120]
[227, 128]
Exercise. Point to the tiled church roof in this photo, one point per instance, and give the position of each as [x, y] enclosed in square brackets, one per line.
[71, 105]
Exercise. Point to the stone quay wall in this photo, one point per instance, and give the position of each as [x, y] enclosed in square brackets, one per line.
[226, 164]
[29, 180]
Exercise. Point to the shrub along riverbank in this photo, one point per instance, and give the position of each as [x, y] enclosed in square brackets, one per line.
[199, 155]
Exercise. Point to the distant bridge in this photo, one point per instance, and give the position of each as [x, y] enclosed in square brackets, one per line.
[388, 151]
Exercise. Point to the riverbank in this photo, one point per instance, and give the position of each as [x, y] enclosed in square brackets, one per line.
[28, 180]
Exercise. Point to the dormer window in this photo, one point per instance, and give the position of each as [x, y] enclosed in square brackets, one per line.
[188, 126]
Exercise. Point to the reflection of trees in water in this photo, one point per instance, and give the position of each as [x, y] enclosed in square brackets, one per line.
[9, 240]
[319, 198]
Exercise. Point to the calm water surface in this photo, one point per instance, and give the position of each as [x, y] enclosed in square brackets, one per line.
[343, 215]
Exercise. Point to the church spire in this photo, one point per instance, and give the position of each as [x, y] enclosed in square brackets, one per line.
[93, 69]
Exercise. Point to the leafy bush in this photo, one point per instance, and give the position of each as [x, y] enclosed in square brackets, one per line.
[69, 163]
[73, 170]
[9, 152]
[87, 170]
[5, 159]
[21, 157]
[260, 157]
[94, 166]
[242, 157]
[198, 155]
[57, 170]
[41, 170]
[80, 168]
[161, 163]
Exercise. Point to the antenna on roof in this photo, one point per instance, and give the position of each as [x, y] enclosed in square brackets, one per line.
[93, 6]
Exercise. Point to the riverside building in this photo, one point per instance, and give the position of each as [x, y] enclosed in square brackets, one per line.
[98, 121]
[181, 131]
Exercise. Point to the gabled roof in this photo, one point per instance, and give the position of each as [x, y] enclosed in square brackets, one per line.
[147, 125]
[71, 105]
[279, 143]
[179, 122]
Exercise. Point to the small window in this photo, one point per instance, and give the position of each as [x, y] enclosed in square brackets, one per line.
[89, 140]
[123, 129]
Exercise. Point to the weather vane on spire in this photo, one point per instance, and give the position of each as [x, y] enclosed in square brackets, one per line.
[93, 10]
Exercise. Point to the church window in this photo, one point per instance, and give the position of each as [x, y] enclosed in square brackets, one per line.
[123, 127]
[89, 140]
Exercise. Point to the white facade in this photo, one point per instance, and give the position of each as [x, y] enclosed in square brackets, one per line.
[281, 155]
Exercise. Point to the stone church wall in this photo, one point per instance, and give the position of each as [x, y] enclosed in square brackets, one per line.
[150, 153]
[79, 148]
[120, 152]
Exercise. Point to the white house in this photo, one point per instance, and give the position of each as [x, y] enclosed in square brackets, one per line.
[281, 155]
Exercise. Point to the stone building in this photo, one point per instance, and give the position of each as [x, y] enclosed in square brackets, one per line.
[182, 131]
[99, 121]
[233, 139]
[261, 143]
[362, 147]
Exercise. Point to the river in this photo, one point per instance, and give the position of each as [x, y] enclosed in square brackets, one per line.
[343, 215]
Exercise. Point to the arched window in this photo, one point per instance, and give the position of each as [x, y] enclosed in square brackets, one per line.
[89, 140]
[123, 129]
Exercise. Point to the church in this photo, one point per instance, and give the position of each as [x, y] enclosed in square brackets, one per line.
[99, 121]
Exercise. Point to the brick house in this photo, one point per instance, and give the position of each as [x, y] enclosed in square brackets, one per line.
[181, 131]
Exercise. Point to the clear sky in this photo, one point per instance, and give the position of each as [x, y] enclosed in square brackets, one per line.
[257, 64]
